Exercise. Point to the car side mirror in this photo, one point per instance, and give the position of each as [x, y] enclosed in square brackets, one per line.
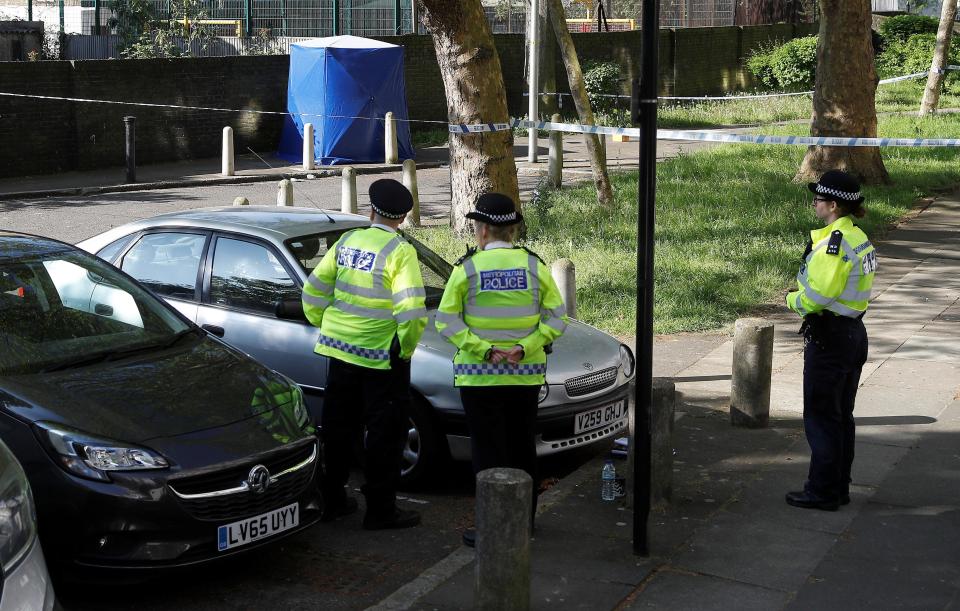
[290, 309]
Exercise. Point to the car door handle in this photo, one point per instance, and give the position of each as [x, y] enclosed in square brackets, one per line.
[213, 329]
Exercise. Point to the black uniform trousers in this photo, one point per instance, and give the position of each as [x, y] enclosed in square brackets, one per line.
[376, 401]
[835, 349]
[502, 422]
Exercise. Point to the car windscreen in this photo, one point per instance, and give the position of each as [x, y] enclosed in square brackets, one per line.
[308, 250]
[67, 308]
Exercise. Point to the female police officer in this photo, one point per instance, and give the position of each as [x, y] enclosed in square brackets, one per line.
[834, 287]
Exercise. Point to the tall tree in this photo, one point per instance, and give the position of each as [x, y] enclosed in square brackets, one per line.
[844, 98]
[931, 95]
[473, 83]
[598, 162]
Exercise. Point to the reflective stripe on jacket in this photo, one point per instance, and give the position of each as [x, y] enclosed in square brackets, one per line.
[501, 297]
[366, 290]
[840, 282]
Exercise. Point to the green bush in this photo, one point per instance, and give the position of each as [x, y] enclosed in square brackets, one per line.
[791, 65]
[902, 27]
[915, 55]
[759, 64]
[602, 79]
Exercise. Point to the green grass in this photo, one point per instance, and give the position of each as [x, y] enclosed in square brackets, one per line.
[731, 226]
[429, 137]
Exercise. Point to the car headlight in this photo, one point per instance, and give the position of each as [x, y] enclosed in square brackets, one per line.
[18, 518]
[92, 457]
[627, 362]
[542, 395]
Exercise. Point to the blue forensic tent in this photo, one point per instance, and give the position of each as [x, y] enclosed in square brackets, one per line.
[336, 80]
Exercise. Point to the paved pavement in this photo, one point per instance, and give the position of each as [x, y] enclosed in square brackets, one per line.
[728, 540]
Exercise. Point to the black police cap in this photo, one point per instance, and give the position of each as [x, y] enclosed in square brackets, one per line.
[389, 198]
[838, 186]
[495, 209]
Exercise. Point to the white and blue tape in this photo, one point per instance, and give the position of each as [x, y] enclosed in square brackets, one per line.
[704, 136]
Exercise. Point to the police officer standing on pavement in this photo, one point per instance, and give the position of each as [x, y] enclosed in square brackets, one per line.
[500, 308]
[367, 298]
[835, 280]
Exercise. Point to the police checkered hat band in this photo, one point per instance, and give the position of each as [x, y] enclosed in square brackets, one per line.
[498, 218]
[385, 214]
[838, 186]
[837, 193]
[495, 209]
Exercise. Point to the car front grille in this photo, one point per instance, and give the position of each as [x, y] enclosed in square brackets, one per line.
[590, 383]
[219, 496]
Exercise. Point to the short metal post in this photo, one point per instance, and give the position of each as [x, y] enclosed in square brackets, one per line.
[564, 273]
[130, 147]
[502, 576]
[555, 159]
[227, 159]
[752, 369]
[348, 191]
[308, 162]
[410, 182]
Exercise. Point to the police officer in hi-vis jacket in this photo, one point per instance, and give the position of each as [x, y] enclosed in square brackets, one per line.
[500, 308]
[367, 298]
[834, 284]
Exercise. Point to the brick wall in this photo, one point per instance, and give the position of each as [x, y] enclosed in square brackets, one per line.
[43, 136]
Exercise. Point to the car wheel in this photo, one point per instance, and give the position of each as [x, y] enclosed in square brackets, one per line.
[424, 449]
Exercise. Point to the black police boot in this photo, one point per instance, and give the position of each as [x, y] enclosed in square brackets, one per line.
[807, 500]
[338, 509]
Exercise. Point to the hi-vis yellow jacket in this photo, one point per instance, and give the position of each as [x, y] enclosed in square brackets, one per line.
[501, 297]
[366, 290]
[837, 273]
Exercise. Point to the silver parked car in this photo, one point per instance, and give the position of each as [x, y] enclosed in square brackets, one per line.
[26, 583]
[238, 272]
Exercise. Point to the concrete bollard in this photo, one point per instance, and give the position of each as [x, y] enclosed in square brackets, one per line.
[285, 193]
[241, 201]
[308, 163]
[226, 160]
[555, 159]
[663, 402]
[348, 191]
[502, 576]
[564, 273]
[752, 368]
[410, 182]
[391, 152]
[662, 407]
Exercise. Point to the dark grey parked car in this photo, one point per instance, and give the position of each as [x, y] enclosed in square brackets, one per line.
[236, 271]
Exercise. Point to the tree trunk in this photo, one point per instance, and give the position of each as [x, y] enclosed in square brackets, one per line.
[844, 101]
[549, 104]
[598, 162]
[931, 95]
[473, 83]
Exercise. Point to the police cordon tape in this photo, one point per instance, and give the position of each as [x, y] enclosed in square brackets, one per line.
[666, 134]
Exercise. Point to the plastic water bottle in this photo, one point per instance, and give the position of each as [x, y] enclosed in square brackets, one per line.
[608, 477]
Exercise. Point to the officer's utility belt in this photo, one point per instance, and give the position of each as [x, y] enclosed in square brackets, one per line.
[811, 321]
